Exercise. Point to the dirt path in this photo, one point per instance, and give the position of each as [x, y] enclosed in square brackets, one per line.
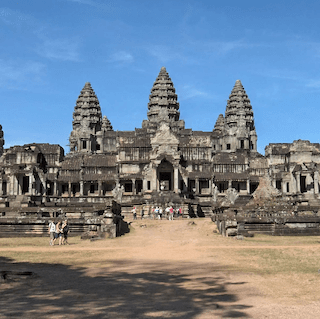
[162, 269]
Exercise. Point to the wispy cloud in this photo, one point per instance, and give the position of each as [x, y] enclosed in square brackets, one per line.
[14, 75]
[314, 84]
[48, 46]
[121, 57]
[15, 18]
[60, 49]
[189, 92]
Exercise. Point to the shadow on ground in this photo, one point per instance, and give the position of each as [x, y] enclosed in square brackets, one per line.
[149, 291]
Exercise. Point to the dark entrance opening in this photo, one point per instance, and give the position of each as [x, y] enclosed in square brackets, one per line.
[165, 173]
[303, 185]
[165, 181]
[25, 184]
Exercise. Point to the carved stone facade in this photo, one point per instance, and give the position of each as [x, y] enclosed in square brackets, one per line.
[160, 162]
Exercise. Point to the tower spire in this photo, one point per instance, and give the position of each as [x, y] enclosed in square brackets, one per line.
[87, 120]
[163, 101]
[239, 122]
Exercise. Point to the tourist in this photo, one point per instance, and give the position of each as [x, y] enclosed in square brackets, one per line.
[160, 213]
[171, 213]
[134, 212]
[51, 231]
[156, 213]
[142, 212]
[167, 211]
[180, 212]
[65, 231]
[57, 233]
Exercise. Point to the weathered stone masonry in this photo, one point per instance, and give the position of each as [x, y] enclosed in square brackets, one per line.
[158, 164]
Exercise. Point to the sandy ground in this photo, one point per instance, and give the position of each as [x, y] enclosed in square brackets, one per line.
[162, 269]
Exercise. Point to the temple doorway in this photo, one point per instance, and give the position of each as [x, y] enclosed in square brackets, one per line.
[165, 176]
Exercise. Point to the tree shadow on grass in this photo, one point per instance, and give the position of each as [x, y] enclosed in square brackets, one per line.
[154, 290]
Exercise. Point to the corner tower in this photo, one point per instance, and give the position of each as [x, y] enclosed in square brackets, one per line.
[239, 129]
[87, 121]
[163, 104]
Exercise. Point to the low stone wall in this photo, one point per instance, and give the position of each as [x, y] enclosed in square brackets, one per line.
[277, 224]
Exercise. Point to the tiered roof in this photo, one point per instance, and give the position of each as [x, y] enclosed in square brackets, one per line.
[87, 112]
[239, 110]
[163, 104]
[106, 124]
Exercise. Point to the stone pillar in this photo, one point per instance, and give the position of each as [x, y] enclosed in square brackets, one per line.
[133, 186]
[81, 188]
[298, 182]
[144, 185]
[55, 188]
[248, 186]
[69, 189]
[154, 179]
[10, 186]
[316, 182]
[1, 190]
[229, 184]
[99, 188]
[210, 186]
[176, 180]
[30, 185]
[283, 187]
[197, 186]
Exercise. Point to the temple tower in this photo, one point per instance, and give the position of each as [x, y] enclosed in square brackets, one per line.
[163, 104]
[239, 126]
[106, 124]
[1, 141]
[87, 121]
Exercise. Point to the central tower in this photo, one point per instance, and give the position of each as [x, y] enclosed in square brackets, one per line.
[163, 104]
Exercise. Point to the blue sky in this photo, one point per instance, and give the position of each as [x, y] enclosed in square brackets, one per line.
[50, 48]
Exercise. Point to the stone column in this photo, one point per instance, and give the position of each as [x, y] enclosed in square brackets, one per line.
[133, 186]
[100, 188]
[81, 188]
[69, 189]
[154, 179]
[144, 184]
[248, 186]
[55, 188]
[298, 182]
[210, 186]
[283, 187]
[316, 182]
[1, 190]
[229, 184]
[176, 180]
[10, 186]
[30, 185]
[197, 186]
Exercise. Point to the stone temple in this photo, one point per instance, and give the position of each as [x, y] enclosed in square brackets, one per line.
[161, 163]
